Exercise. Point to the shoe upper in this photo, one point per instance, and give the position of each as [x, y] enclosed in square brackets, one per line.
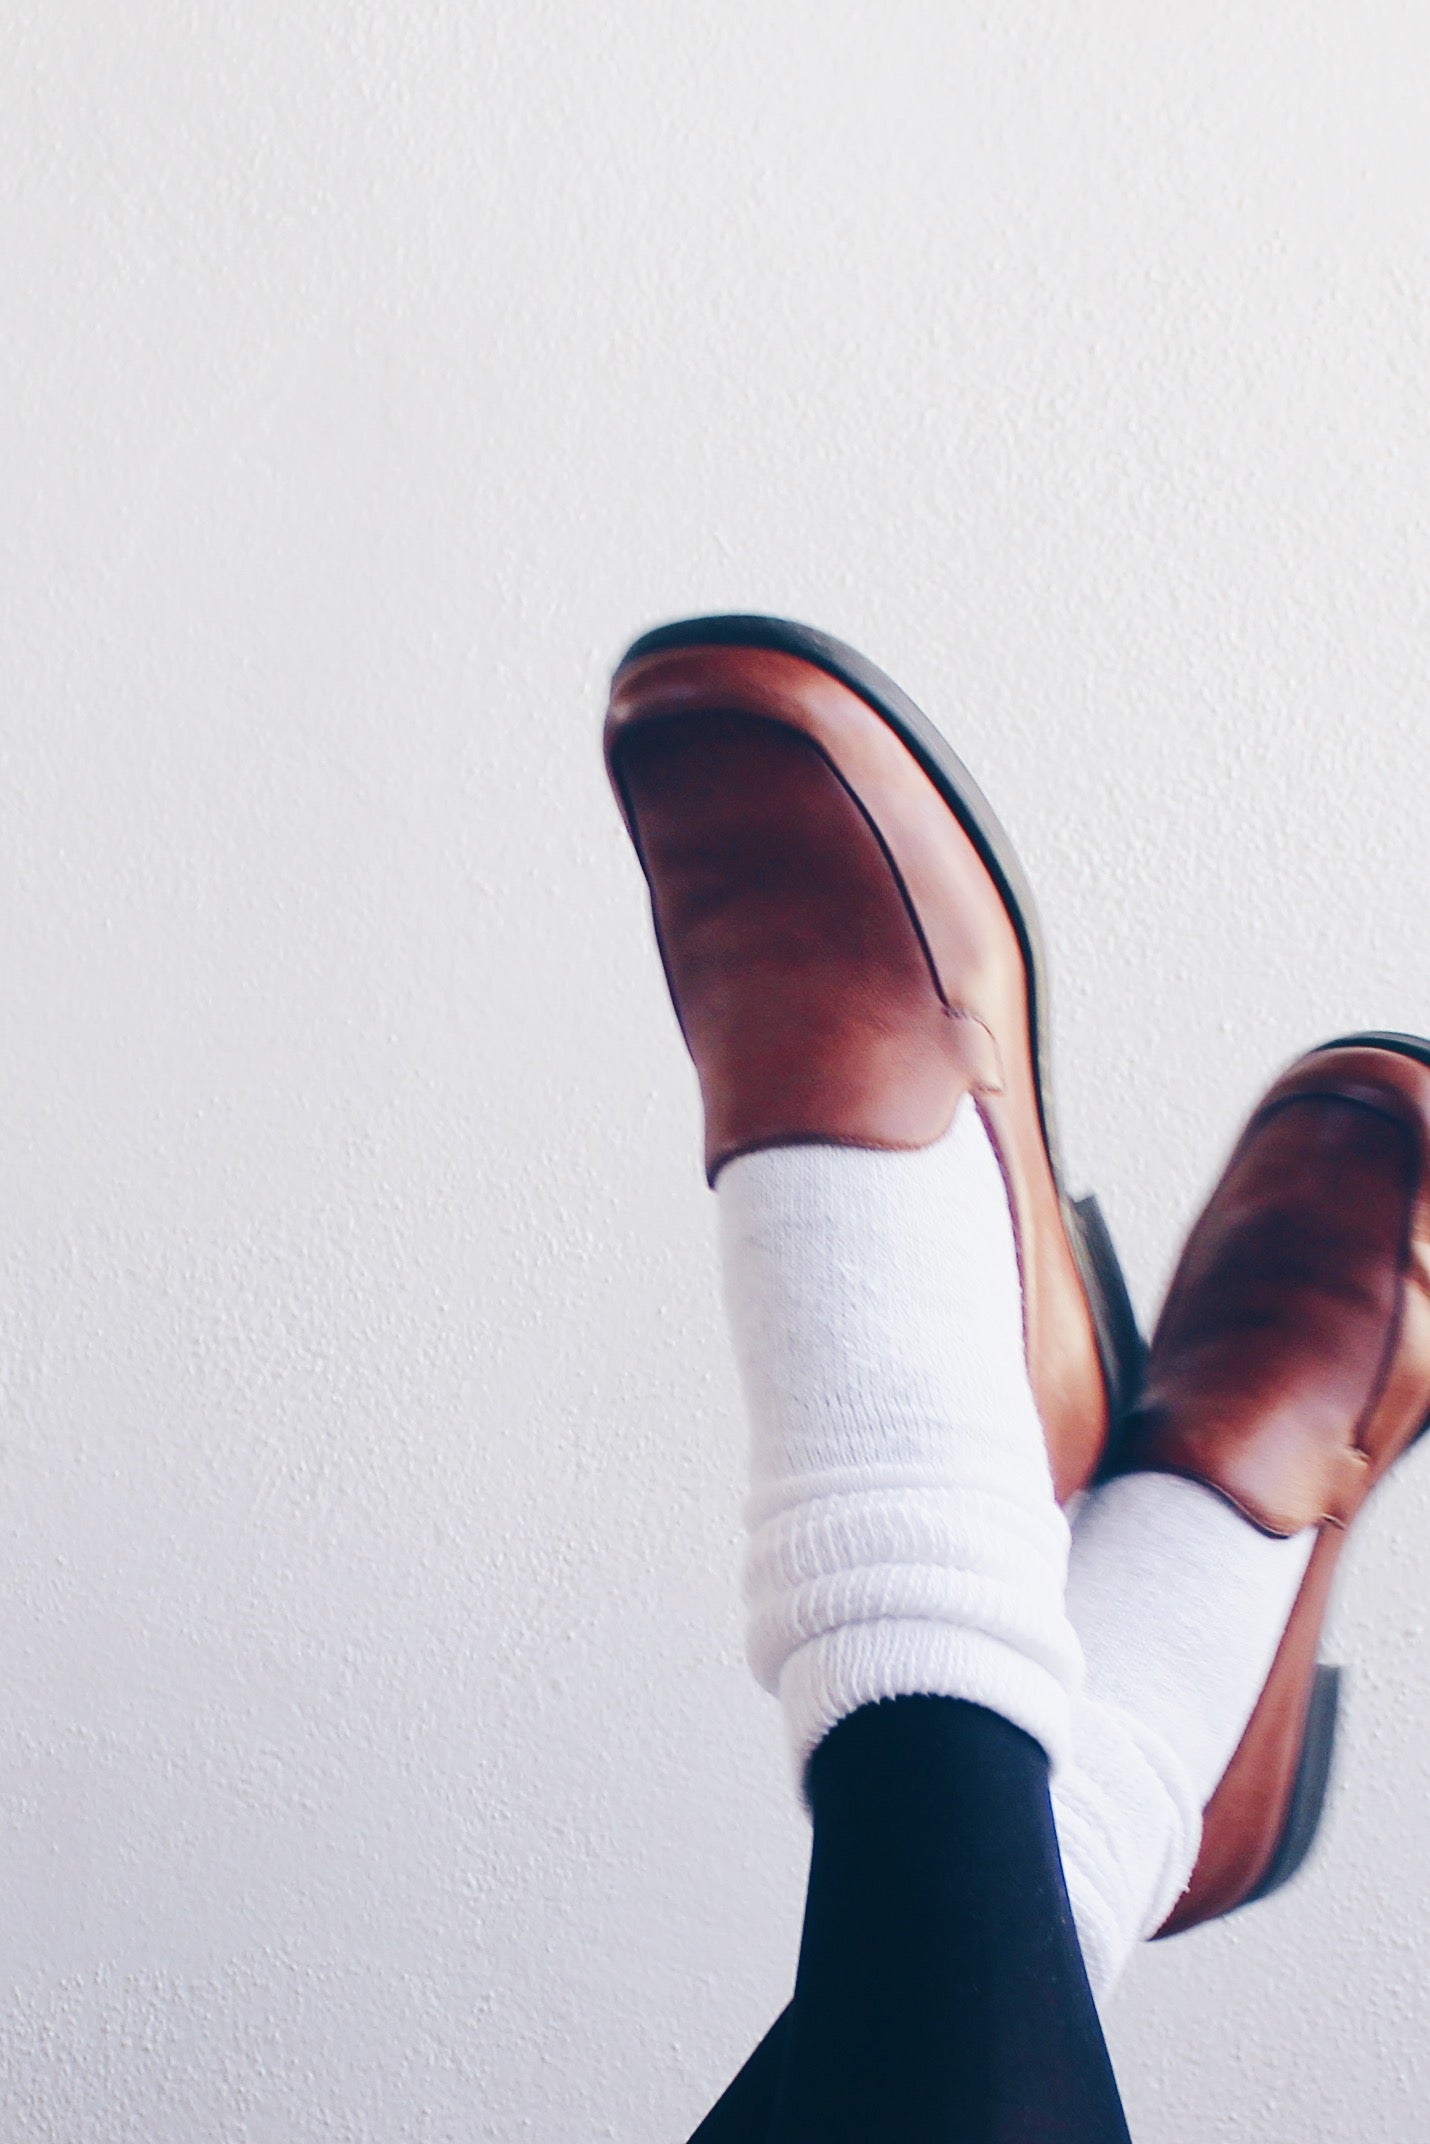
[1289, 1370]
[1291, 1364]
[842, 964]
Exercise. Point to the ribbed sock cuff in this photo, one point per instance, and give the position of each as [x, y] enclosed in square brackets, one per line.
[860, 1663]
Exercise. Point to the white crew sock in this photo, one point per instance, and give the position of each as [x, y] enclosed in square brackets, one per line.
[904, 1537]
[1180, 1604]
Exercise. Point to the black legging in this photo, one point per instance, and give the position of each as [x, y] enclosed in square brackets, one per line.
[941, 1993]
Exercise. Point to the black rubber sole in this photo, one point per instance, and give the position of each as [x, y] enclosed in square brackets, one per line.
[1416, 1046]
[1120, 1344]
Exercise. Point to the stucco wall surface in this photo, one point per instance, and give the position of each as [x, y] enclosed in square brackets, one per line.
[377, 1760]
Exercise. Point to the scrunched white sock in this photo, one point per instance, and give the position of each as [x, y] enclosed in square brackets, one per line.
[903, 1533]
[1180, 1604]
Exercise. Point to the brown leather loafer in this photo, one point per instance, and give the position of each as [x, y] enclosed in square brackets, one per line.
[850, 949]
[1290, 1369]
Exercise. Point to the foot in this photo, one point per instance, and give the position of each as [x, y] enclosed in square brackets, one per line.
[1289, 1371]
[851, 954]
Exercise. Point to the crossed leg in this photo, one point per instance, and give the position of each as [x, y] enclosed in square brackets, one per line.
[941, 1992]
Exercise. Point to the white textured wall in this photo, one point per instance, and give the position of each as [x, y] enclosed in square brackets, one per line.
[377, 1764]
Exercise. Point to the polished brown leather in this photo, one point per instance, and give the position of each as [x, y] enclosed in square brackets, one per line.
[843, 966]
[1289, 1370]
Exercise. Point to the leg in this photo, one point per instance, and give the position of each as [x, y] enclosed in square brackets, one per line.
[1180, 1603]
[856, 980]
[743, 2112]
[941, 1990]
